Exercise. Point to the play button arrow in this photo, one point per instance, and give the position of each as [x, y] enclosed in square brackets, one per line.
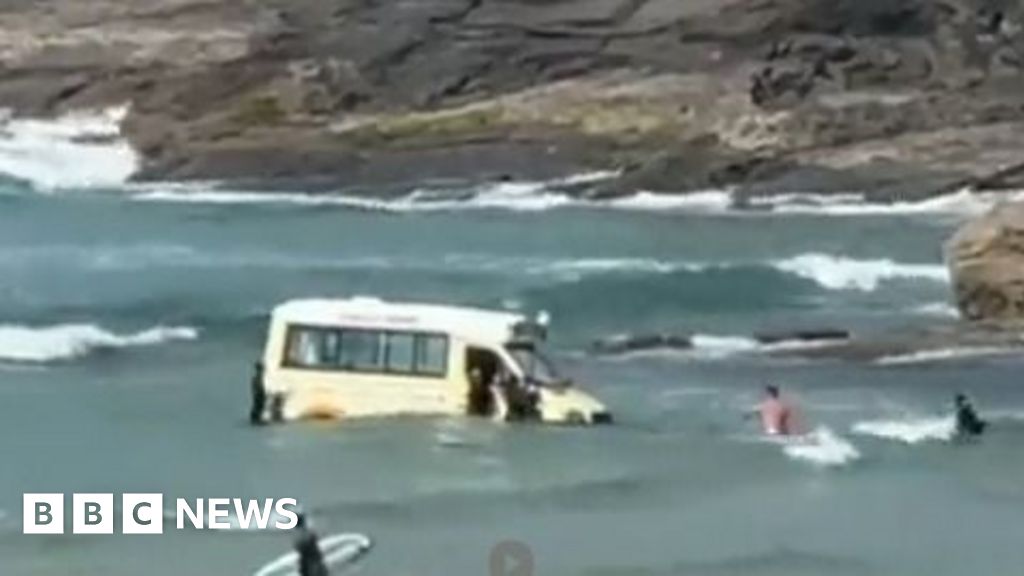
[511, 558]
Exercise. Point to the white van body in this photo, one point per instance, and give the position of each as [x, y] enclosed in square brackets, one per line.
[358, 357]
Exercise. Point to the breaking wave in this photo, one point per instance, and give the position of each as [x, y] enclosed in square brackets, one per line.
[538, 196]
[708, 346]
[827, 271]
[77, 150]
[941, 355]
[69, 341]
[711, 201]
[963, 202]
[842, 273]
[514, 196]
[717, 346]
[909, 430]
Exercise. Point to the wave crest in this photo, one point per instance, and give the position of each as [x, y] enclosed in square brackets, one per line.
[908, 431]
[843, 273]
[536, 196]
[943, 354]
[69, 341]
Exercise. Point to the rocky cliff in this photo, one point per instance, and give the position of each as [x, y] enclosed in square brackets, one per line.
[986, 260]
[899, 97]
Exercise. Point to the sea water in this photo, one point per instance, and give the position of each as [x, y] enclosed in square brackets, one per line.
[131, 315]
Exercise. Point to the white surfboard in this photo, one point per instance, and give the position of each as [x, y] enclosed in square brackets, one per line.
[338, 550]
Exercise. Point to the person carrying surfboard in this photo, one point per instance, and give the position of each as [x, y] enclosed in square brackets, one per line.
[307, 545]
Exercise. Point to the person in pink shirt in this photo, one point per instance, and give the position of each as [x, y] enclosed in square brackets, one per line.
[776, 414]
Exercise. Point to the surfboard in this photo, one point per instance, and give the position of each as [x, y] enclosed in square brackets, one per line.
[338, 550]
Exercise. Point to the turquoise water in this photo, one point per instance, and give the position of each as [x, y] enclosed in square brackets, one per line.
[128, 328]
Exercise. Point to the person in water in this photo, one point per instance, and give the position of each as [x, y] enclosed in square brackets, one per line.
[776, 414]
[259, 395]
[968, 424]
[481, 396]
[307, 545]
[522, 399]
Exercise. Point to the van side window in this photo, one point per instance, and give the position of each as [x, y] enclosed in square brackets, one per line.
[401, 352]
[361, 351]
[371, 351]
[431, 355]
[305, 347]
[330, 347]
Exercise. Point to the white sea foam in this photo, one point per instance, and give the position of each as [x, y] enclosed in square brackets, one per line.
[78, 150]
[941, 355]
[843, 273]
[909, 430]
[822, 447]
[711, 201]
[937, 309]
[538, 196]
[722, 346]
[577, 268]
[831, 272]
[527, 196]
[178, 195]
[717, 346]
[68, 341]
[963, 203]
[807, 203]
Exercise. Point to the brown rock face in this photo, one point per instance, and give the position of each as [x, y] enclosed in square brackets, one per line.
[986, 261]
[901, 98]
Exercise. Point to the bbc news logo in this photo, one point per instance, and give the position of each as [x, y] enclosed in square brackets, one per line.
[144, 513]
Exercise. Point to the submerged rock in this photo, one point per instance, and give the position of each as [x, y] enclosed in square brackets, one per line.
[803, 336]
[626, 343]
[986, 262]
[958, 341]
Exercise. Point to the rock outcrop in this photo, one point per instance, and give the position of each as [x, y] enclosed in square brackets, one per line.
[986, 262]
[903, 97]
[627, 343]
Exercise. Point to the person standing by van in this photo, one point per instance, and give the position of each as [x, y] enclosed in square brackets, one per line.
[481, 394]
[521, 399]
[259, 395]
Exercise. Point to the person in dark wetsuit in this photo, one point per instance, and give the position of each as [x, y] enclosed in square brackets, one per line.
[259, 395]
[481, 398]
[307, 544]
[521, 399]
[968, 424]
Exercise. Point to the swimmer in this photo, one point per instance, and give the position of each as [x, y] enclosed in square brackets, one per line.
[776, 414]
[968, 424]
